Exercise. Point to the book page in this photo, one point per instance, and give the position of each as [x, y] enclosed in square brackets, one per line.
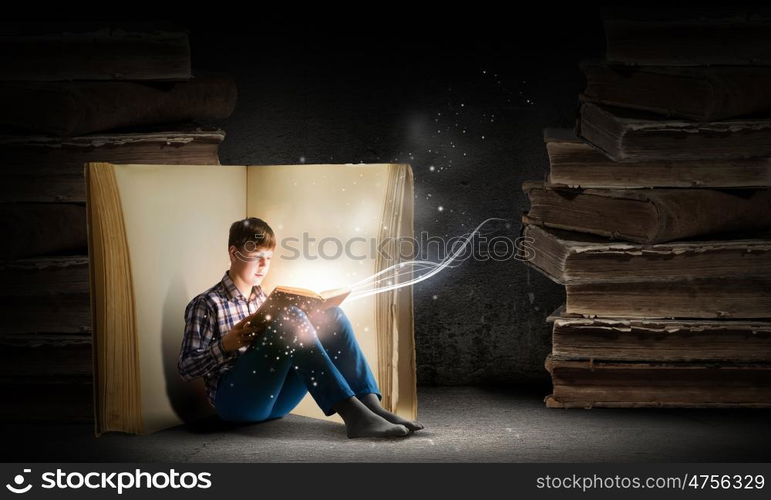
[327, 219]
[177, 219]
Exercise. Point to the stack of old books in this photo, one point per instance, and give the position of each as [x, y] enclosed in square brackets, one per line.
[655, 215]
[70, 95]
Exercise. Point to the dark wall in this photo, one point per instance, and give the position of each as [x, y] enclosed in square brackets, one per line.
[462, 95]
[469, 98]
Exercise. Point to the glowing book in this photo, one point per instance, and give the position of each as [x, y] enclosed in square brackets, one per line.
[158, 237]
[309, 301]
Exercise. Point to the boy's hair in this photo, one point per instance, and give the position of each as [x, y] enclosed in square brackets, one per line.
[251, 234]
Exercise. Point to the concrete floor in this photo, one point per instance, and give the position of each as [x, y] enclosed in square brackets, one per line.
[463, 424]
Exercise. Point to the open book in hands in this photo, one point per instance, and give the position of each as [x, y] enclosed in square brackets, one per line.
[283, 297]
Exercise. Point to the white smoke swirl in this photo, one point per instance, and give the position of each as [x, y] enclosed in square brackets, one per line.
[371, 285]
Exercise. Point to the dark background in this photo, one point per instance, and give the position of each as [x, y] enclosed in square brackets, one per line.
[391, 84]
[470, 96]
[467, 90]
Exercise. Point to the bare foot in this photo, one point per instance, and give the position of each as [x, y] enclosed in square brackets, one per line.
[373, 403]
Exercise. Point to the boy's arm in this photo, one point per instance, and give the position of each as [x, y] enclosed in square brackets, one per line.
[201, 353]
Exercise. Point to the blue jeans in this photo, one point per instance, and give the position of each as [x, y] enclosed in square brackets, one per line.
[293, 355]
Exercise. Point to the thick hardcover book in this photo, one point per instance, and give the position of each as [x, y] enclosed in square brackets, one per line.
[584, 384]
[602, 284]
[658, 340]
[45, 295]
[729, 298]
[649, 215]
[68, 109]
[630, 135]
[704, 93]
[571, 258]
[157, 238]
[36, 229]
[575, 163]
[45, 340]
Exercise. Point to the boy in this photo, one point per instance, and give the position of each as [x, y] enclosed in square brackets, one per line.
[263, 374]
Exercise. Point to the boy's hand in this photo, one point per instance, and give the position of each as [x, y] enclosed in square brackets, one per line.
[240, 335]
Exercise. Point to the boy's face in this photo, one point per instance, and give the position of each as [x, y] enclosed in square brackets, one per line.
[250, 267]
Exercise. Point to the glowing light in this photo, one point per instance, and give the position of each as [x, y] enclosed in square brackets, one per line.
[370, 286]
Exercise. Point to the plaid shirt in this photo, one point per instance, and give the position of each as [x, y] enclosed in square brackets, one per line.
[208, 317]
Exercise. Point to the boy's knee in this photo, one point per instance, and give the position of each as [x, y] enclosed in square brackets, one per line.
[294, 312]
[292, 316]
[296, 321]
[336, 312]
[335, 317]
[335, 327]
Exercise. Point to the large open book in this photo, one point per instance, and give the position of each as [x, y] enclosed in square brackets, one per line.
[158, 237]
